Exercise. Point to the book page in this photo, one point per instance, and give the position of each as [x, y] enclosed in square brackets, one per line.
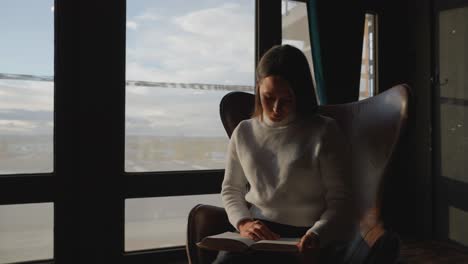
[234, 236]
[282, 241]
[280, 245]
[229, 241]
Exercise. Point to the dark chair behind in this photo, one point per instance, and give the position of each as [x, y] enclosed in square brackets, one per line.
[373, 127]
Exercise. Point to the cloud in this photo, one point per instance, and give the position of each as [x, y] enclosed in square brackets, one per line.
[25, 115]
[229, 22]
[184, 47]
[149, 15]
[26, 107]
[174, 111]
[211, 45]
[26, 95]
[17, 126]
[195, 47]
[132, 25]
[138, 90]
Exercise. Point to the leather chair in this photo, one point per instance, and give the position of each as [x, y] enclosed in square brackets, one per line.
[373, 127]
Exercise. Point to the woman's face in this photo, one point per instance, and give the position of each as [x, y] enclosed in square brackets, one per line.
[276, 98]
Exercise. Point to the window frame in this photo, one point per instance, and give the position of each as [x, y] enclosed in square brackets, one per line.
[89, 185]
[375, 52]
[267, 34]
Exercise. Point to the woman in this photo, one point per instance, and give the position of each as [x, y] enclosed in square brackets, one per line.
[294, 161]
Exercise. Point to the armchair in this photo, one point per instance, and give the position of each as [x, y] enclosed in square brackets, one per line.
[373, 127]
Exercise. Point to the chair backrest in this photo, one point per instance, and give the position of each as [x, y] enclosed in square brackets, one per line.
[235, 107]
[372, 126]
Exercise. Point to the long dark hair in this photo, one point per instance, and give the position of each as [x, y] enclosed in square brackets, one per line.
[289, 63]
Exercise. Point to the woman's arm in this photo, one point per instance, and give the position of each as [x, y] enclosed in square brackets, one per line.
[337, 221]
[234, 185]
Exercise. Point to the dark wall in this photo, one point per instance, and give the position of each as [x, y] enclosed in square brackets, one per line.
[405, 56]
[421, 66]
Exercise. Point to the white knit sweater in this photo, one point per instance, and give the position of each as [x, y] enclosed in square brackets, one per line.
[296, 174]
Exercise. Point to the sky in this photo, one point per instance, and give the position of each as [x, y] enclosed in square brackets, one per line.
[191, 41]
[26, 107]
[207, 41]
[27, 29]
[177, 41]
[186, 42]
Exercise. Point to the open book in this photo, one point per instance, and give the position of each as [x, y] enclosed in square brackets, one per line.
[230, 241]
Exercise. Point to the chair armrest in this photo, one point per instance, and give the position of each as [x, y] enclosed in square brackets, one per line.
[204, 220]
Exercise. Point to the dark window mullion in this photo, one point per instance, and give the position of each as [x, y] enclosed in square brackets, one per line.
[89, 132]
[101, 124]
[268, 26]
[17, 189]
[173, 255]
[173, 183]
[37, 262]
[66, 206]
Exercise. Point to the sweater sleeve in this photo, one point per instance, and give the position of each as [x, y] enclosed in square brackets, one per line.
[337, 221]
[234, 186]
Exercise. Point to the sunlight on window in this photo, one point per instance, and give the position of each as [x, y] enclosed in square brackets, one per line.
[182, 58]
[160, 222]
[367, 87]
[295, 29]
[457, 225]
[26, 232]
[26, 86]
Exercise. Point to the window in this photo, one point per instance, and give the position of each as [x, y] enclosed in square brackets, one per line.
[26, 128]
[26, 86]
[26, 232]
[295, 28]
[367, 87]
[181, 59]
[160, 222]
[180, 62]
[80, 203]
[295, 32]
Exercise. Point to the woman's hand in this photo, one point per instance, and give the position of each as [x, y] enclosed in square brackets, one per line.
[256, 230]
[309, 248]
